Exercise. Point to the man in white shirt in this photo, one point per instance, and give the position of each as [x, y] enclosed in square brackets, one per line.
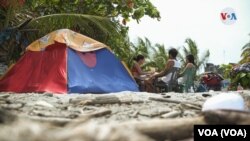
[168, 74]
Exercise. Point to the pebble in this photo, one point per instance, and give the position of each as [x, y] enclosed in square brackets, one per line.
[48, 94]
[166, 96]
[206, 95]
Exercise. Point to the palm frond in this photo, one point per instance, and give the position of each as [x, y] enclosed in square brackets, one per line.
[203, 59]
[191, 48]
[245, 52]
[182, 59]
[245, 59]
[159, 57]
[186, 51]
[147, 42]
[95, 27]
[143, 46]
[154, 49]
[161, 49]
[246, 46]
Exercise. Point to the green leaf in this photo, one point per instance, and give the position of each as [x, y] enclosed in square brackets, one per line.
[242, 75]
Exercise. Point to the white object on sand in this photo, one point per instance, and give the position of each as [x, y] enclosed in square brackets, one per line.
[228, 101]
[44, 104]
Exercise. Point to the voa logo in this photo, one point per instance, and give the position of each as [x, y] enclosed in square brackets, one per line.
[228, 16]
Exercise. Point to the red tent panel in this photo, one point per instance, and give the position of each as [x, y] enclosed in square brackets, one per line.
[39, 72]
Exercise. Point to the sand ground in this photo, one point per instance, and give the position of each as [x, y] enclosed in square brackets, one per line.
[99, 110]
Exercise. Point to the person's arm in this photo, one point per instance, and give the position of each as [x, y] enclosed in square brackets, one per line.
[137, 66]
[169, 65]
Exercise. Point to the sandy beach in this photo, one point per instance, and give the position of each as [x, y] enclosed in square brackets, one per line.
[114, 116]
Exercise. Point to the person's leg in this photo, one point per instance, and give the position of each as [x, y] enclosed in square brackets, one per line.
[139, 83]
[161, 86]
[149, 85]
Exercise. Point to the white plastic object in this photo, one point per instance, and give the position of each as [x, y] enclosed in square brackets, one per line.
[227, 101]
[239, 87]
[192, 89]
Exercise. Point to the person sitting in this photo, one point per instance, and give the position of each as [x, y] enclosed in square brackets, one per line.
[137, 72]
[188, 74]
[168, 75]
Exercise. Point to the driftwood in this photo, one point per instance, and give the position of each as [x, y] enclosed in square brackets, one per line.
[154, 112]
[173, 101]
[57, 124]
[227, 117]
[172, 114]
[98, 113]
[191, 106]
[56, 121]
[62, 120]
[15, 106]
[43, 113]
[87, 116]
[156, 129]
[104, 99]
[182, 128]
[172, 129]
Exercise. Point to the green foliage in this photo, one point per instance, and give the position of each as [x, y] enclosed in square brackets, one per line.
[12, 43]
[159, 57]
[8, 16]
[245, 53]
[95, 27]
[10, 49]
[121, 46]
[142, 46]
[226, 70]
[156, 55]
[126, 9]
[49, 15]
[241, 78]
[192, 48]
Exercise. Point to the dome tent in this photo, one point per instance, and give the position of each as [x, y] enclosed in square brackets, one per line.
[67, 62]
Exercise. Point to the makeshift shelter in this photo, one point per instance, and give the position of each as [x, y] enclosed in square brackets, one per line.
[68, 62]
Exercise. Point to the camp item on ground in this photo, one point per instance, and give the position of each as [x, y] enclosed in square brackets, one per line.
[226, 101]
[239, 87]
[212, 80]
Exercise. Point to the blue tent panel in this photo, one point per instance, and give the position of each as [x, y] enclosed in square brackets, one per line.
[109, 75]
